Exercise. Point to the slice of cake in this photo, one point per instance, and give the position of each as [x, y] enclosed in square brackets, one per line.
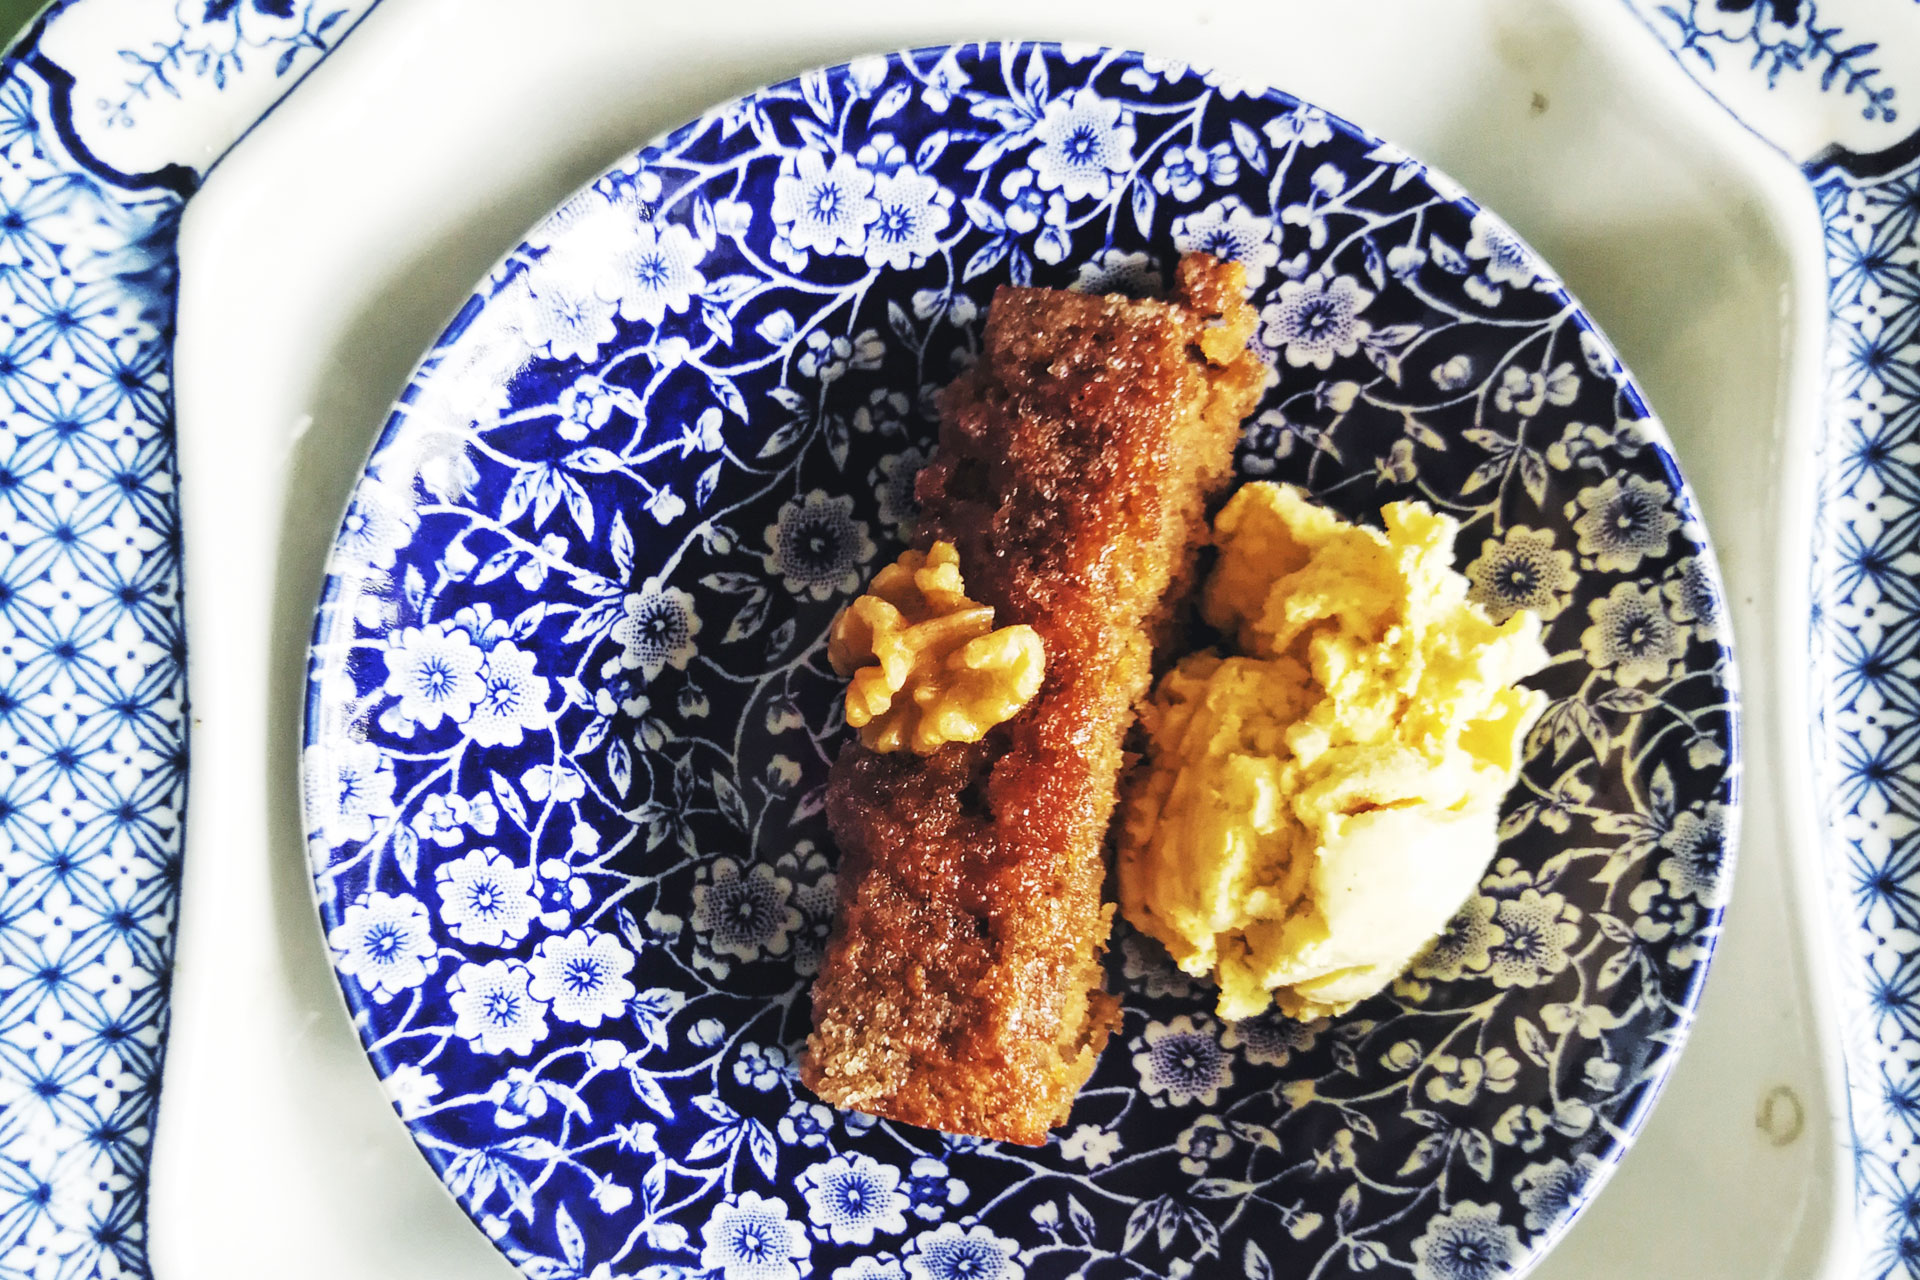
[962, 987]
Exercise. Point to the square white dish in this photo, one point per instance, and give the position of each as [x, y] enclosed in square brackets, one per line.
[324, 255]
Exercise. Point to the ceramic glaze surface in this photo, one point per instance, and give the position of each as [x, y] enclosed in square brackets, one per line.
[570, 716]
[92, 700]
[112, 108]
[1865, 626]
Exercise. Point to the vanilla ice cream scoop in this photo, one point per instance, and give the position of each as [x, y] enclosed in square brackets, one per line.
[1311, 811]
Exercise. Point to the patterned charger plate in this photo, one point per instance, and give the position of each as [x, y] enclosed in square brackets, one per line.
[570, 716]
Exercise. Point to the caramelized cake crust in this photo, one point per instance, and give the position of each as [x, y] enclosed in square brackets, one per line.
[962, 987]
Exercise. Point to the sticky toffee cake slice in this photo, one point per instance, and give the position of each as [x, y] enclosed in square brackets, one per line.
[962, 987]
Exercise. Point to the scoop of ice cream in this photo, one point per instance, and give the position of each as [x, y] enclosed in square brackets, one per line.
[1311, 811]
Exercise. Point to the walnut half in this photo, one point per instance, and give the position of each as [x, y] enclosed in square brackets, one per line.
[925, 664]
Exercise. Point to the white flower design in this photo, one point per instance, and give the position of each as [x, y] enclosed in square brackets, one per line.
[561, 318]
[953, 1252]
[1091, 1145]
[1692, 597]
[349, 787]
[1541, 929]
[383, 942]
[494, 1012]
[444, 819]
[816, 547]
[870, 1268]
[485, 899]
[586, 406]
[827, 357]
[761, 1067]
[1632, 638]
[664, 505]
[1230, 85]
[1508, 261]
[851, 1198]
[1467, 1242]
[823, 204]
[1455, 372]
[1465, 945]
[582, 976]
[1304, 126]
[522, 1096]
[1270, 1041]
[1521, 569]
[607, 254]
[913, 210]
[1135, 274]
[892, 482]
[1697, 864]
[750, 1237]
[732, 217]
[435, 672]
[1527, 391]
[411, 1090]
[657, 271]
[611, 1197]
[513, 700]
[434, 820]
[744, 915]
[379, 523]
[1459, 1080]
[656, 629]
[560, 781]
[1030, 206]
[1230, 231]
[1182, 173]
[1549, 1191]
[1201, 1143]
[1181, 1062]
[867, 74]
[1086, 144]
[945, 80]
[603, 209]
[1313, 320]
[806, 1124]
[931, 1188]
[1622, 521]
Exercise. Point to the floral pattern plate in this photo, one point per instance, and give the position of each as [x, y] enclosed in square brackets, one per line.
[569, 715]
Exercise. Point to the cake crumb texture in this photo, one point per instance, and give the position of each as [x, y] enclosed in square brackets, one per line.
[962, 988]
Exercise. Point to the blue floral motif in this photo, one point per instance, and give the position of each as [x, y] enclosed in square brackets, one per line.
[215, 39]
[569, 700]
[1780, 37]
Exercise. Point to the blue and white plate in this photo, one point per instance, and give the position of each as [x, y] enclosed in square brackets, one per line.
[570, 717]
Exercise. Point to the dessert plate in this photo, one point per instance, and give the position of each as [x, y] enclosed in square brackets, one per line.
[569, 715]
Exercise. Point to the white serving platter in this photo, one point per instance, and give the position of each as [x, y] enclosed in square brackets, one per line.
[330, 247]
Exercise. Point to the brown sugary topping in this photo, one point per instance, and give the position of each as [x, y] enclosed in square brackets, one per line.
[962, 988]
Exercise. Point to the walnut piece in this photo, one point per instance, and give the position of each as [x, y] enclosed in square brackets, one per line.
[926, 665]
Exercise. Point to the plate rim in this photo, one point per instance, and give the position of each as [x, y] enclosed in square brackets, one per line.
[1728, 791]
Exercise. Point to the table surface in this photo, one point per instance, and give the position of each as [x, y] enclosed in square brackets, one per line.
[15, 14]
